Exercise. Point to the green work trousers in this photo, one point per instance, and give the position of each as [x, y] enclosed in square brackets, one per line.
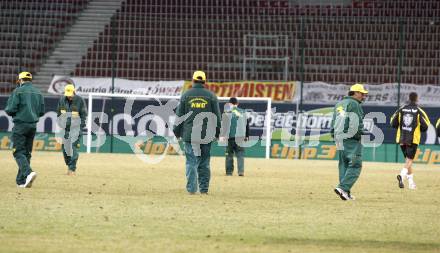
[70, 152]
[350, 163]
[231, 149]
[23, 139]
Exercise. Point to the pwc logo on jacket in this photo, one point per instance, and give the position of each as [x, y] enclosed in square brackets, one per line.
[341, 111]
[198, 103]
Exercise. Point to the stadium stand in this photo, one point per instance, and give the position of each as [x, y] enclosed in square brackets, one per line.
[167, 39]
[29, 31]
[335, 42]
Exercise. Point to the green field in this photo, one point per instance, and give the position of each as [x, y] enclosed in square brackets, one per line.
[116, 203]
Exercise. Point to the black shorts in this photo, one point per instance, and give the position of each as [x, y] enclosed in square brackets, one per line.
[409, 150]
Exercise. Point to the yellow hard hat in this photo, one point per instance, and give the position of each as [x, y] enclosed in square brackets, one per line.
[358, 87]
[24, 74]
[199, 76]
[69, 90]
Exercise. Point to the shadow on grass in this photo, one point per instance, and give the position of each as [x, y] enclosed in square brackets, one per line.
[352, 243]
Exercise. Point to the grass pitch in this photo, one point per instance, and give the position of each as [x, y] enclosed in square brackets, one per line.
[116, 203]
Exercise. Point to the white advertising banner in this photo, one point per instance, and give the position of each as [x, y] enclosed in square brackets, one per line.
[85, 85]
[383, 94]
[313, 92]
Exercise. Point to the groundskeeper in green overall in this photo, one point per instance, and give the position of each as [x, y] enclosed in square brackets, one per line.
[198, 130]
[72, 116]
[236, 126]
[25, 106]
[347, 129]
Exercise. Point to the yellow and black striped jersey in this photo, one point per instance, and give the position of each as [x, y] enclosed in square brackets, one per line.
[410, 120]
[437, 127]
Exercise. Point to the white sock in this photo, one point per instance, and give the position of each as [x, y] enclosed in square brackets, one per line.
[404, 173]
[410, 179]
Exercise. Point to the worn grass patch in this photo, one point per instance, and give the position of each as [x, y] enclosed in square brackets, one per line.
[116, 203]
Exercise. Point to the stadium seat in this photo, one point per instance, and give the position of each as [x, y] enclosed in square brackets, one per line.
[167, 39]
[43, 23]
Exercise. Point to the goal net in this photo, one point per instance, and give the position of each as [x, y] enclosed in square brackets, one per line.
[121, 122]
